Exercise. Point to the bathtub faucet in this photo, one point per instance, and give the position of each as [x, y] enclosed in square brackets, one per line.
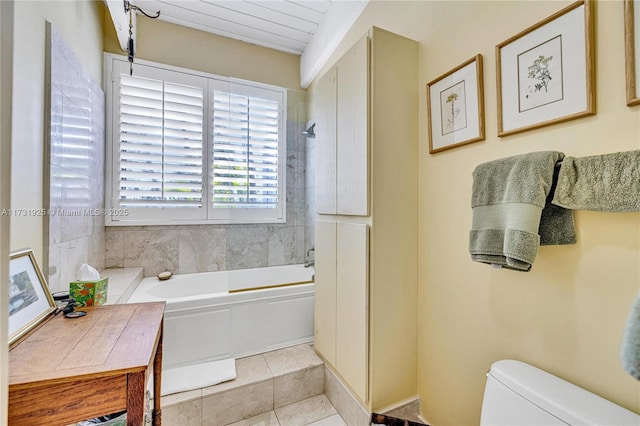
[309, 262]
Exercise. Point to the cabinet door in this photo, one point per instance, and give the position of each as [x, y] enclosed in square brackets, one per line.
[352, 191]
[326, 143]
[325, 290]
[352, 307]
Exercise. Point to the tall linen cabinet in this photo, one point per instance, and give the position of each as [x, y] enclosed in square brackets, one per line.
[366, 223]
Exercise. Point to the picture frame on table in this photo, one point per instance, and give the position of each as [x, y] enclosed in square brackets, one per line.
[546, 73]
[455, 107]
[30, 300]
[632, 50]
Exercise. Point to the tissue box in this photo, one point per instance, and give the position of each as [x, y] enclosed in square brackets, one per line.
[89, 293]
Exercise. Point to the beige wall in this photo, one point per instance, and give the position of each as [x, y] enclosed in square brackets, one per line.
[80, 24]
[175, 45]
[567, 315]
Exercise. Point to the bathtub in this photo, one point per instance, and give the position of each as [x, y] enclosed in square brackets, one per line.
[230, 314]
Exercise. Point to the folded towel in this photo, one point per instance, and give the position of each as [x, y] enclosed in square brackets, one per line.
[630, 352]
[609, 182]
[508, 198]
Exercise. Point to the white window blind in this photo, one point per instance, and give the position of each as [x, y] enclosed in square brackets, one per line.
[161, 130]
[162, 169]
[245, 148]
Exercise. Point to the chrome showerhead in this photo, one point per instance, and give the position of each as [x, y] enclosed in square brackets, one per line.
[309, 132]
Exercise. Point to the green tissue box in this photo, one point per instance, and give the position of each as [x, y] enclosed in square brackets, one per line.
[89, 293]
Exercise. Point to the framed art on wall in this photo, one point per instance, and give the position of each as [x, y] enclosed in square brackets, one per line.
[30, 300]
[632, 49]
[546, 73]
[455, 104]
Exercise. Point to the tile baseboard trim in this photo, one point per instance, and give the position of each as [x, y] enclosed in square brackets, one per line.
[400, 404]
[345, 403]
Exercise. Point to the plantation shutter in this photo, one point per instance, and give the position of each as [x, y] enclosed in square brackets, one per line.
[161, 169]
[161, 130]
[246, 145]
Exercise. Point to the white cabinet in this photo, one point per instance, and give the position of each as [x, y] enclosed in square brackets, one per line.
[341, 332]
[366, 230]
[352, 272]
[342, 141]
[326, 293]
[326, 143]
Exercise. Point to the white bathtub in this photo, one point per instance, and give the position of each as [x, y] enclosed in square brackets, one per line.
[228, 314]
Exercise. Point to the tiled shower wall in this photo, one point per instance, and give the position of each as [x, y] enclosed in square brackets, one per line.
[203, 248]
[75, 223]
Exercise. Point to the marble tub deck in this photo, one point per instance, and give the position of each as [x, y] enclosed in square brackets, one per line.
[279, 388]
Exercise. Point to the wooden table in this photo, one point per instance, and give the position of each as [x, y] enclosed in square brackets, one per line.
[69, 370]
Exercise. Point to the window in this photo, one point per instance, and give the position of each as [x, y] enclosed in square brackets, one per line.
[188, 147]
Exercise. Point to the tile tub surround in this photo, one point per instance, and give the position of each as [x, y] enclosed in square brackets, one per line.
[265, 383]
[122, 282]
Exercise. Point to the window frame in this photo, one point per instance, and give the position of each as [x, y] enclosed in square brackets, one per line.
[115, 215]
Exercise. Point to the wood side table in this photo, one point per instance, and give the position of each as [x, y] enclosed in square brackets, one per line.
[69, 370]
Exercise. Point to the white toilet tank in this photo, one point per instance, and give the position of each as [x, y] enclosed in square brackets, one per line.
[519, 394]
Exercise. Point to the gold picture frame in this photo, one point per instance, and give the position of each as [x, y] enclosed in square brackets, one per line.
[546, 73]
[455, 107]
[30, 300]
[632, 50]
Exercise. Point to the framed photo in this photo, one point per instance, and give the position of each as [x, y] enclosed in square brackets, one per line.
[546, 74]
[632, 49]
[455, 104]
[30, 300]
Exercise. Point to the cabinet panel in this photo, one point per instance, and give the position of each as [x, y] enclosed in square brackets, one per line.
[326, 143]
[352, 307]
[352, 191]
[325, 290]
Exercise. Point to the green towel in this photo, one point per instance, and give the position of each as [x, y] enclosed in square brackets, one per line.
[630, 351]
[609, 182]
[508, 199]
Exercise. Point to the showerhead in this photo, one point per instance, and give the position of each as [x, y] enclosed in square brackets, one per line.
[309, 132]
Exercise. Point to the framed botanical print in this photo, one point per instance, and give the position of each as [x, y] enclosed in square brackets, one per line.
[455, 103]
[546, 73]
[632, 50]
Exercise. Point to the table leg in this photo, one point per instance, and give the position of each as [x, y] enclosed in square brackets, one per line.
[135, 398]
[157, 382]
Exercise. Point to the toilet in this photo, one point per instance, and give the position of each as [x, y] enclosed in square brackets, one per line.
[520, 394]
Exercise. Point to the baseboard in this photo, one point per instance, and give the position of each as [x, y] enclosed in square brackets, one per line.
[398, 404]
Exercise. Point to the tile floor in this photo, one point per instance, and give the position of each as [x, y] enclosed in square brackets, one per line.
[284, 387]
[314, 411]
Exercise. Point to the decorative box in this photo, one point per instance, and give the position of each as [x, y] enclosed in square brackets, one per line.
[89, 293]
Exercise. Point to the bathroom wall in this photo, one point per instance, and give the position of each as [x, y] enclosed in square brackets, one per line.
[202, 248]
[74, 184]
[80, 24]
[567, 314]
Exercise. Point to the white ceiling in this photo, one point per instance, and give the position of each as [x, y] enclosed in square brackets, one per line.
[309, 28]
[285, 25]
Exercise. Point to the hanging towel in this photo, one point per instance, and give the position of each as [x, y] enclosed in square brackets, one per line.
[508, 197]
[609, 182]
[630, 352]
[556, 223]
